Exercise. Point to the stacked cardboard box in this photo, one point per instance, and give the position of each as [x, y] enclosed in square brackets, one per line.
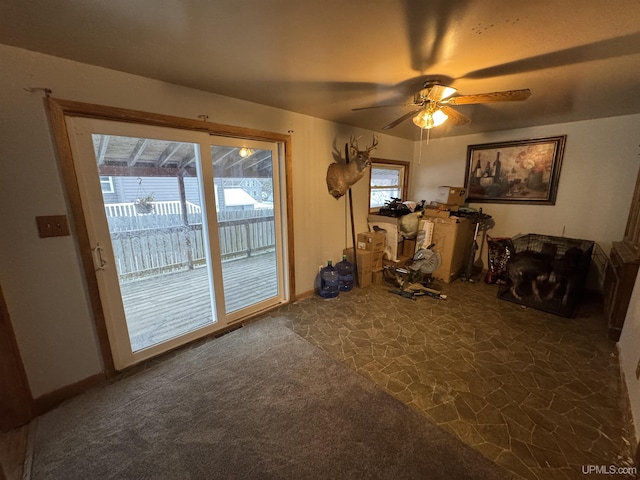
[364, 261]
[370, 247]
[451, 195]
[437, 212]
[374, 242]
[371, 241]
[452, 237]
[377, 278]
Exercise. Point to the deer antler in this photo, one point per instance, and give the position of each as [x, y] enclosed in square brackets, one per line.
[353, 143]
[374, 144]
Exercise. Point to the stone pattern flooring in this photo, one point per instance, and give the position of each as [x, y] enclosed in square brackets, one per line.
[537, 393]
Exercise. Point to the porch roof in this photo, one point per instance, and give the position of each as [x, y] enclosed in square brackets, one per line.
[128, 156]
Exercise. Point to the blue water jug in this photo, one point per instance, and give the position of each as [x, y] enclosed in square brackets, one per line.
[329, 281]
[317, 283]
[345, 274]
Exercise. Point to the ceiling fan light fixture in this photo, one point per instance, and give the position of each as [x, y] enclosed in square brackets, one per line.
[245, 152]
[447, 92]
[428, 118]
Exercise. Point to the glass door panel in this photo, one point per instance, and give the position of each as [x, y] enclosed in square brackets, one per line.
[187, 237]
[247, 211]
[146, 212]
[154, 214]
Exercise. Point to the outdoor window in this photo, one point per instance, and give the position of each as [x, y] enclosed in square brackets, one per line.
[388, 180]
[107, 184]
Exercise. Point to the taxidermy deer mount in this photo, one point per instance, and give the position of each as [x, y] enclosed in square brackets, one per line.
[340, 176]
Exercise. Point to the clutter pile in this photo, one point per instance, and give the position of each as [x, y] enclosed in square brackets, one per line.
[415, 280]
[409, 245]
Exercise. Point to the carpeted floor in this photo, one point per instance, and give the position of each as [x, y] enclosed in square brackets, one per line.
[258, 403]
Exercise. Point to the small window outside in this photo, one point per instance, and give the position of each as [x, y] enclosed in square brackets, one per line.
[107, 184]
[387, 182]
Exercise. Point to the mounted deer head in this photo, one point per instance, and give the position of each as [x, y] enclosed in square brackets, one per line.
[340, 176]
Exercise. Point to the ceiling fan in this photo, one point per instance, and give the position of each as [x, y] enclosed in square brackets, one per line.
[434, 102]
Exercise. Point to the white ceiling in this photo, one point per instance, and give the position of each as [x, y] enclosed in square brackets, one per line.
[580, 58]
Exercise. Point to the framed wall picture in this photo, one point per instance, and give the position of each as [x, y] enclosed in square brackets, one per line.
[524, 171]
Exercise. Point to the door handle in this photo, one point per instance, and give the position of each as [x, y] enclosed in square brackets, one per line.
[98, 257]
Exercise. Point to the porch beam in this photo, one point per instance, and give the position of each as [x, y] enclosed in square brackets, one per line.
[102, 149]
[169, 152]
[137, 152]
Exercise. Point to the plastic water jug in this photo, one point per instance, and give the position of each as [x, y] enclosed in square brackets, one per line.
[329, 281]
[317, 283]
[345, 274]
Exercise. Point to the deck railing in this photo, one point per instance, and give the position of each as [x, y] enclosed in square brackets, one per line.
[163, 242]
[128, 209]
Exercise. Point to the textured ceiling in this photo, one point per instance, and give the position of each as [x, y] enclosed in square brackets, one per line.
[581, 59]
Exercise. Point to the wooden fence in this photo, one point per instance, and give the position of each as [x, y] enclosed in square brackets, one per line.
[158, 243]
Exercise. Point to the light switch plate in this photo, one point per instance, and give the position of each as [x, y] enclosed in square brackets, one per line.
[53, 226]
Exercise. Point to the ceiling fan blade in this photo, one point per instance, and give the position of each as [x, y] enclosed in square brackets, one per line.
[398, 121]
[455, 116]
[600, 50]
[382, 106]
[506, 96]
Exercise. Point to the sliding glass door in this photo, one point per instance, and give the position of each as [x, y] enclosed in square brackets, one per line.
[186, 231]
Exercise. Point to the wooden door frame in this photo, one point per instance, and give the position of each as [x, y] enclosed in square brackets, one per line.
[16, 401]
[58, 109]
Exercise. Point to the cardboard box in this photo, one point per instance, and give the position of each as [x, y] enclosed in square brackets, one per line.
[447, 206]
[452, 237]
[364, 261]
[377, 277]
[371, 241]
[364, 279]
[451, 195]
[376, 260]
[436, 213]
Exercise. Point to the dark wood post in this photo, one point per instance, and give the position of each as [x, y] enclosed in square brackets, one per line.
[353, 227]
[184, 214]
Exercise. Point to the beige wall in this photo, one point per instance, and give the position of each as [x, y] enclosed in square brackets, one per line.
[42, 278]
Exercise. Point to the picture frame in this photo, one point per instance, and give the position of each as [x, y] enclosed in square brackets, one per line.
[521, 172]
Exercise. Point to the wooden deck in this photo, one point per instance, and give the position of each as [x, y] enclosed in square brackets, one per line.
[164, 306]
